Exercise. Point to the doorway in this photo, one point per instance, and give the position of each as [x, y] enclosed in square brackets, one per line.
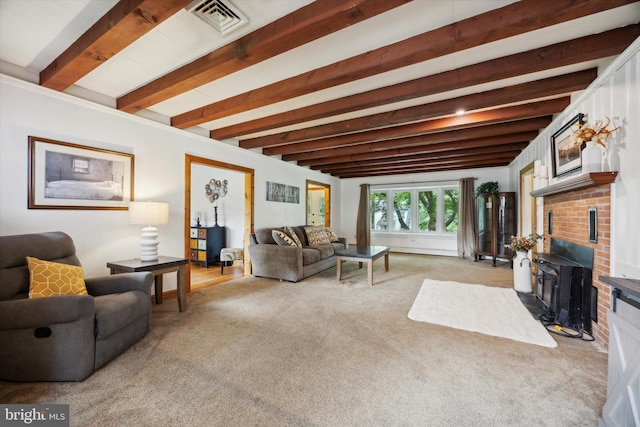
[248, 182]
[318, 203]
[528, 217]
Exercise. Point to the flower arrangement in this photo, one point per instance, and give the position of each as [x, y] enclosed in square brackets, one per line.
[523, 243]
[598, 133]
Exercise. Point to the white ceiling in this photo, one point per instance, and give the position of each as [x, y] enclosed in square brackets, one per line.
[34, 33]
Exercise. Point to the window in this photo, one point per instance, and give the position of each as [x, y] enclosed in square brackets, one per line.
[415, 210]
[80, 165]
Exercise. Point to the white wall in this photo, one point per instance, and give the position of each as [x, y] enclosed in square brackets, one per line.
[102, 236]
[614, 94]
[432, 244]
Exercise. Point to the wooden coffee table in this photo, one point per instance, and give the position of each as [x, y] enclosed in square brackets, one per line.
[362, 254]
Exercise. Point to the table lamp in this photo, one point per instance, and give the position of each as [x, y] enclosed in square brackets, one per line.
[149, 214]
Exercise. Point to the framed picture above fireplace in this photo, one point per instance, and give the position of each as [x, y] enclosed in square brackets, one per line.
[564, 153]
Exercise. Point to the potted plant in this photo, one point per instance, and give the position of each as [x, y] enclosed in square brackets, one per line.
[490, 187]
[521, 263]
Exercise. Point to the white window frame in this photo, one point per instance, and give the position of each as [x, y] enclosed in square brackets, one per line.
[414, 190]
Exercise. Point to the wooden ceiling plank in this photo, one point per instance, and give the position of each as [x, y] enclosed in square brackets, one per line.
[553, 86]
[508, 21]
[302, 26]
[570, 52]
[126, 22]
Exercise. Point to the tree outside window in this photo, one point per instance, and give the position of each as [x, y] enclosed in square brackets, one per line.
[378, 211]
[427, 210]
[436, 210]
[402, 211]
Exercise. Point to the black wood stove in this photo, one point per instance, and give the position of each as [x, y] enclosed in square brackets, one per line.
[564, 284]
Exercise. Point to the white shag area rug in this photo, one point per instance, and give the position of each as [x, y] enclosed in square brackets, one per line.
[478, 308]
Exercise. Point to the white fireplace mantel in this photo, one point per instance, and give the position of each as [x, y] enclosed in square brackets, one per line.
[582, 181]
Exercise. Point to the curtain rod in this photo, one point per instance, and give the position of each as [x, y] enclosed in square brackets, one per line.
[420, 182]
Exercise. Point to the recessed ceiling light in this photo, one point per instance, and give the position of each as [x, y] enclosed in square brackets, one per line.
[460, 112]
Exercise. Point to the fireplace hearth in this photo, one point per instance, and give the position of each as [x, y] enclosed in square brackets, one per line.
[564, 284]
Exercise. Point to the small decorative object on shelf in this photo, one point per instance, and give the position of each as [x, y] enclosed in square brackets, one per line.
[593, 141]
[521, 263]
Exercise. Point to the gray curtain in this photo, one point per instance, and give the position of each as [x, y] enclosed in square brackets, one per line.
[363, 233]
[466, 220]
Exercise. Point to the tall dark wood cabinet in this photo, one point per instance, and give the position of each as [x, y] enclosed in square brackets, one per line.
[206, 244]
[496, 223]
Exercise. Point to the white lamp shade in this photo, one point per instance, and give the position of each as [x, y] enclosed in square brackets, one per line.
[148, 213]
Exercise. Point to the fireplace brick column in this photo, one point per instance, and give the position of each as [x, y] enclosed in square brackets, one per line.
[570, 222]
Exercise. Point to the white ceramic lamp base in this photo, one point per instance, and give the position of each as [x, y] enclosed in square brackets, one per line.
[149, 244]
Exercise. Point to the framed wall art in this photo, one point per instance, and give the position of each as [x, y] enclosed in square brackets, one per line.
[63, 175]
[282, 193]
[564, 153]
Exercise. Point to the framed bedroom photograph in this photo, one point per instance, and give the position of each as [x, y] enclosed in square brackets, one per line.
[565, 154]
[63, 175]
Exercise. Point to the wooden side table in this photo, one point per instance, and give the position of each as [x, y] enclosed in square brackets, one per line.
[162, 265]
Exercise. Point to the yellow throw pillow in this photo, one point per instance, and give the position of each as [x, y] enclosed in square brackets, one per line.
[52, 279]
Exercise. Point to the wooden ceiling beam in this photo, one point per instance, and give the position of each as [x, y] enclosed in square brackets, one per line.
[502, 157]
[502, 132]
[417, 159]
[338, 157]
[425, 169]
[125, 23]
[508, 21]
[516, 118]
[517, 112]
[570, 52]
[311, 22]
[553, 86]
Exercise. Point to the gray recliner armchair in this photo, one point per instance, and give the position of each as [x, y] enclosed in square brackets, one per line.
[65, 338]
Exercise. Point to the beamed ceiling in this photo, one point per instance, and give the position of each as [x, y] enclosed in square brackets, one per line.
[353, 88]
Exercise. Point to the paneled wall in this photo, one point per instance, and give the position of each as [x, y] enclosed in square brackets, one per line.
[614, 94]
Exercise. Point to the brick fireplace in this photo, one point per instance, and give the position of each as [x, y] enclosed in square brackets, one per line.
[567, 205]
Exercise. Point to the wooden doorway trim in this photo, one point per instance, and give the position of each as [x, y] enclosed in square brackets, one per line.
[524, 194]
[311, 185]
[249, 180]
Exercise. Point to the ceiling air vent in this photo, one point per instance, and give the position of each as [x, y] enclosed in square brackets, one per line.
[223, 16]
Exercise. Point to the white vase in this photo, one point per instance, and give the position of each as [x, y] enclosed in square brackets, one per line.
[591, 158]
[522, 272]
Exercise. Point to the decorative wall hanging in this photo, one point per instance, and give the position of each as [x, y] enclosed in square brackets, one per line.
[565, 155]
[214, 190]
[71, 176]
[282, 193]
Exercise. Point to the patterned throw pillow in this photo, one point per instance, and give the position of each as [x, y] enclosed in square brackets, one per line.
[333, 237]
[294, 236]
[282, 239]
[316, 235]
[52, 279]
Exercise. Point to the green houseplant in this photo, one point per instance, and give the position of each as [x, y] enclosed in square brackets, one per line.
[490, 187]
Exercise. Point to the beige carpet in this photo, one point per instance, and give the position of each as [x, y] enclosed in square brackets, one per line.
[478, 308]
[321, 353]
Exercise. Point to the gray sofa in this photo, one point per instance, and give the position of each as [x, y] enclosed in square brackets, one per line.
[65, 338]
[290, 263]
